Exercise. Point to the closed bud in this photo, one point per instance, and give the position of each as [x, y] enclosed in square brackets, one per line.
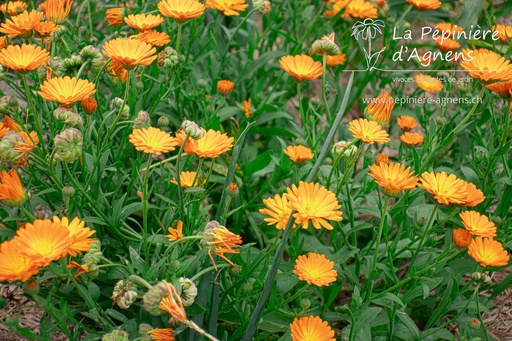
[90, 53]
[224, 87]
[496, 220]
[93, 271]
[55, 65]
[248, 287]
[68, 144]
[42, 71]
[139, 86]
[163, 122]
[188, 291]
[68, 192]
[144, 328]
[168, 58]
[305, 303]
[232, 189]
[325, 46]
[142, 120]
[340, 147]
[127, 299]
[71, 65]
[124, 294]
[476, 276]
[175, 265]
[89, 105]
[116, 335]
[234, 271]
[117, 104]
[68, 116]
[94, 255]
[440, 122]
[8, 105]
[202, 83]
[7, 146]
[192, 129]
[151, 300]
[31, 288]
[474, 323]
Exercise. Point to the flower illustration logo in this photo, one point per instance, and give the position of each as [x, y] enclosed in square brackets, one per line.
[367, 30]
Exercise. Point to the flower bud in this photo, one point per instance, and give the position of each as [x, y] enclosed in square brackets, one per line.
[305, 303]
[168, 58]
[163, 122]
[116, 335]
[188, 291]
[89, 105]
[55, 65]
[474, 323]
[248, 287]
[127, 299]
[153, 296]
[232, 189]
[340, 147]
[94, 255]
[90, 53]
[142, 120]
[175, 265]
[144, 328]
[192, 129]
[68, 192]
[440, 121]
[202, 83]
[71, 65]
[68, 116]
[8, 105]
[496, 220]
[124, 294]
[224, 87]
[476, 276]
[68, 144]
[234, 271]
[325, 46]
[262, 6]
[7, 144]
[116, 104]
[42, 71]
[31, 288]
[42, 211]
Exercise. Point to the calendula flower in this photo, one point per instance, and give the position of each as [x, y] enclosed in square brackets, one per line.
[446, 189]
[3, 42]
[412, 139]
[176, 233]
[181, 10]
[462, 238]
[3, 129]
[488, 252]
[11, 124]
[225, 86]
[381, 159]
[406, 122]
[504, 32]
[478, 225]
[23, 58]
[211, 145]
[474, 196]
[315, 269]
[488, 66]
[428, 83]
[393, 178]
[187, 180]
[143, 22]
[502, 89]
[45, 28]
[117, 70]
[66, 91]
[228, 7]
[278, 211]
[360, 9]
[13, 7]
[79, 234]
[43, 241]
[14, 266]
[338, 59]
[161, 334]
[56, 10]
[152, 141]
[21, 25]
[89, 105]
[11, 189]
[380, 108]
[425, 4]
[313, 203]
[153, 37]
[299, 154]
[311, 328]
[220, 240]
[301, 67]
[247, 108]
[28, 144]
[449, 27]
[368, 131]
[129, 52]
[114, 16]
[173, 305]
[82, 268]
[446, 44]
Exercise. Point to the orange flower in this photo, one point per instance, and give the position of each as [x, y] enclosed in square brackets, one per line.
[406, 122]
[129, 52]
[247, 108]
[176, 233]
[502, 89]
[474, 196]
[66, 90]
[3, 129]
[28, 144]
[89, 105]
[315, 269]
[43, 241]
[488, 252]
[79, 234]
[11, 190]
[446, 44]
[299, 154]
[211, 145]
[504, 32]
[313, 203]
[228, 7]
[381, 159]
[488, 66]
[14, 7]
[446, 189]
[393, 178]
[428, 83]
[425, 4]
[478, 225]
[380, 108]
[161, 334]
[339, 59]
[114, 16]
[21, 25]
[173, 305]
[153, 37]
[181, 10]
[225, 86]
[152, 141]
[462, 238]
[220, 240]
[412, 139]
[143, 22]
[11, 124]
[82, 268]
[56, 10]
[301, 67]
[3, 42]
[187, 180]
[278, 210]
[117, 70]
[46, 28]
[368, 131]
[14, 266]
[311, 328]
[23, 58]
[360, 9]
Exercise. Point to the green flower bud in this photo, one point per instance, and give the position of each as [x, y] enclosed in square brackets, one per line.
[8, 105]
[232, 190]
[55, 64]
[188, 291]
[202, 83]
[175, 265]
[139, 86]
[305, 303]
[94, 255]
[127, 299]
[474, 323]
[142, 120]
[124, 294]
[41, 73]
[68, 116]
[340, 147]
[90, 53]
[116, 104]
[68, 144]
[68, 192]
[476, 276]
[326, 46]
[192, 129]
[248, 287]
[163, 122]
[144, 328]
[71, 65]
[116, 335]
[153, 296]
[168, 58]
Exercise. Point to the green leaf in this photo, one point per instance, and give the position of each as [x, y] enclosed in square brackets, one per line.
[259, 163]
[409, 323]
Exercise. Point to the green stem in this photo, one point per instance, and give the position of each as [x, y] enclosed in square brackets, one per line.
[140, 280]
[39, 126]
[111, 129]
[178, 180]
[424, 235]
[211, 268]
[178, 38]
[324, 95]
[84, 65]
[145, 211]
[27, 213]
[337, 159]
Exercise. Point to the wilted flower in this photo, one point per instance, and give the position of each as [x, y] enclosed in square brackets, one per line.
[124, 294]
[142, 120]
[68, 144]
[173, 304]
[326, 46]
[188, 291]
[68, 116]
[220, 240]
[192, 129]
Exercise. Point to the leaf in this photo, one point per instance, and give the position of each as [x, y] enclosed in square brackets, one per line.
[409, 323]
[137, 261]
[262, 161]
[275, 322]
